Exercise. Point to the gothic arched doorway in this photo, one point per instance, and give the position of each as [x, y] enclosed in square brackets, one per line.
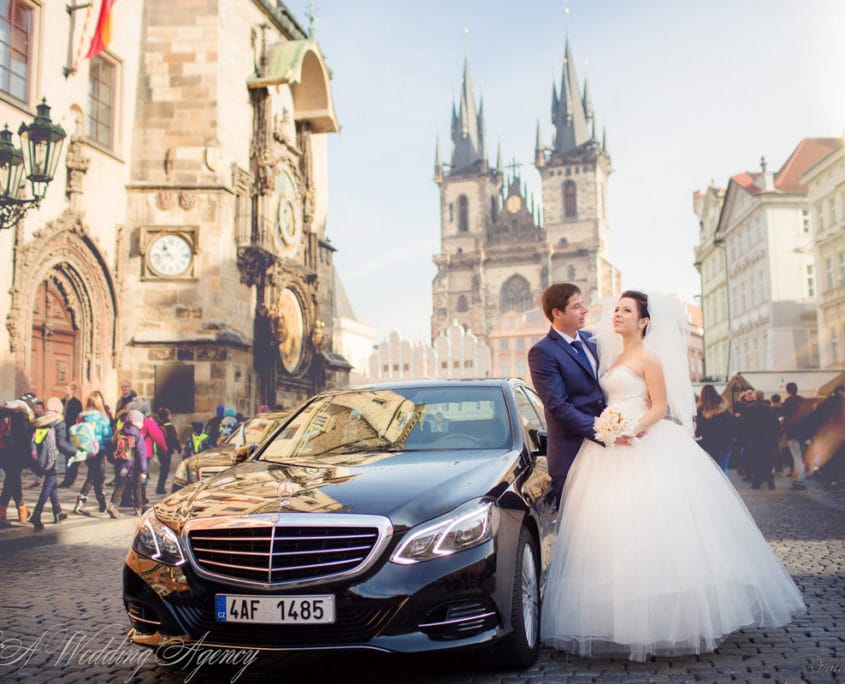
[54, 349]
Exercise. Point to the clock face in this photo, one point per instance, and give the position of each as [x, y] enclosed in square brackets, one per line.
[513, 203]
[288, 213]
[170, 256]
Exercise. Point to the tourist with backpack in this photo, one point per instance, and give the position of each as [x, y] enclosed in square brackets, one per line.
[15, 445]
[49, 442]
[197, 442]
[130, 453]
[171, 438]
[97, 443]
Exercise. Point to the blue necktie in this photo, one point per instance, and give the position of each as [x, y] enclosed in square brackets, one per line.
[582, 354]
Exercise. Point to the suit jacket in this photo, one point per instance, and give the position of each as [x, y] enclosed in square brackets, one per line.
[572, 398]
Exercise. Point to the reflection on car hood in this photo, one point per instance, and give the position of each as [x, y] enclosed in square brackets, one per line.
[219, 455]
[407, 487]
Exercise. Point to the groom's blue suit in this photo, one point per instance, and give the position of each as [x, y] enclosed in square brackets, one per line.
[571, 396]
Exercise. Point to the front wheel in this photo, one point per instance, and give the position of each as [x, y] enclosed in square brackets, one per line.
[521, 648]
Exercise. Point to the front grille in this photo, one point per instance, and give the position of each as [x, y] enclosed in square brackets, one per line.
[286, 554]
[353, 625]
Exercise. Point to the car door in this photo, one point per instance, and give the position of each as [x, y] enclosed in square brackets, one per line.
[532, 419]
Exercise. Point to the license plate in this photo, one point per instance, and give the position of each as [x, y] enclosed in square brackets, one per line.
[275, 610]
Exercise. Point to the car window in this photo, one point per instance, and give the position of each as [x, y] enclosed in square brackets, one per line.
[530, 418]
[361, 421]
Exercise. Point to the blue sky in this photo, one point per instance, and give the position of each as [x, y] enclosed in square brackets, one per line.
[688, 91]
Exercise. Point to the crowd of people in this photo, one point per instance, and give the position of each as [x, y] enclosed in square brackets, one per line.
[42, 435]
[797, 436]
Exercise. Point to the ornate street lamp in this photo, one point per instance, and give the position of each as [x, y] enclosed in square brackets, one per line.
[41, 148]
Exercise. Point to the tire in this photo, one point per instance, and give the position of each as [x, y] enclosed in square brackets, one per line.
[521, 648]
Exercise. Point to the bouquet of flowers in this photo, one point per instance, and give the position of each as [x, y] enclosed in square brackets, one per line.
[613, 423]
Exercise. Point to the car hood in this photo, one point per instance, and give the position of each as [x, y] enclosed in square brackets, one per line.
[407, 487]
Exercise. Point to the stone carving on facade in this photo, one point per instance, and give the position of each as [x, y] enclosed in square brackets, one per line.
[187, 199]
[164, 199]
[77, 166]
[253, 263]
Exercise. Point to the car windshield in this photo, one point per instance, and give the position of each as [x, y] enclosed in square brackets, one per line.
[254, 431]
[404, 419]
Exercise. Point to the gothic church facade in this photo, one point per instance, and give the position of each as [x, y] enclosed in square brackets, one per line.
[498, 250]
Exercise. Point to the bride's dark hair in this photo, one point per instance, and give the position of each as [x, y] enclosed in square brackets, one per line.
[641, 298]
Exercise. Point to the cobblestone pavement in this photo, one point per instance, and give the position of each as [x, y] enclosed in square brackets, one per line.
[62, 620]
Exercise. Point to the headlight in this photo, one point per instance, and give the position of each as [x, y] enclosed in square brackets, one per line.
[157, 541]
[465, 527]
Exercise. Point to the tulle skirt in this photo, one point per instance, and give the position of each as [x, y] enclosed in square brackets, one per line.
[657, 554]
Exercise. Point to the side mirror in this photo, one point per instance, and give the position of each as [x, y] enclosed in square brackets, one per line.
[245, 452]
[540, 438]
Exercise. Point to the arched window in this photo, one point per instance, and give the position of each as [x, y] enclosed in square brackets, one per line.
[516, 294]
[570, 272]
[463, 214]
[494, 208]
[462, 304]
[570, 200]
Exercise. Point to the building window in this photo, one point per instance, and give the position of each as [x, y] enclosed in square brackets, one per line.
[462, 304]
[503, 343]
[463, 214]
[467, 363]
[516, 294]
[456, 364]
[841, 268]
[506, 368]
[451, 213]
[570, 200]
[811, 280]
[101, 81]
[832, 212]
[15, 46]
[820, 215]
[570, 272]
[494, 209]
[520, 343]
[444, 365]
[805, 220]
[828, 264]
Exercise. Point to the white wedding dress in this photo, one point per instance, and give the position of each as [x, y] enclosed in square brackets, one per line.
[656, 552]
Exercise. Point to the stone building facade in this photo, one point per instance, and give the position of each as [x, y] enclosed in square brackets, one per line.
[825, 183]
[770, 274]
[185, 250]
[500, 250]
[710, 261]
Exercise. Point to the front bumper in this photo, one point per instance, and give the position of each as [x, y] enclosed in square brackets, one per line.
[446, 603]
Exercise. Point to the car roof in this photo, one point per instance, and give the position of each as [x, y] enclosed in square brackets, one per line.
[425, 383]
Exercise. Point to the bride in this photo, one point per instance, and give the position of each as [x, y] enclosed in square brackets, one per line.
[656, 553]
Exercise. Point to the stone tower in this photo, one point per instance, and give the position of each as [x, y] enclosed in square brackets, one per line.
[469, 201]
[498, 250]
[574, 172]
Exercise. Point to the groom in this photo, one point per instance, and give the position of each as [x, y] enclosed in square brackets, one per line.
[564, 370]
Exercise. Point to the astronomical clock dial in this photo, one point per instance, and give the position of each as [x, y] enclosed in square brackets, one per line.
[169, 256]
[513, 203]
[287, 213]
[290, 330]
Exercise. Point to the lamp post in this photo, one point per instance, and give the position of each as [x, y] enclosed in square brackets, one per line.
[41, 148]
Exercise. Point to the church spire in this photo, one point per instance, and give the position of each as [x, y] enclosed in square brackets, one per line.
[539, 152]
[568, 112]
[467, 130]
[500, 169]
[438, 164]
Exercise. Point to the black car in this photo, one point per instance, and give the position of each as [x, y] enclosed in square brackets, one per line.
[367, 521]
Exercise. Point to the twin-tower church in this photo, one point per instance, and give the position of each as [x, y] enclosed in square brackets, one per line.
[497, 251]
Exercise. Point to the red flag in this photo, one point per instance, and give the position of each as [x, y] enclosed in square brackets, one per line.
[102, 34]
